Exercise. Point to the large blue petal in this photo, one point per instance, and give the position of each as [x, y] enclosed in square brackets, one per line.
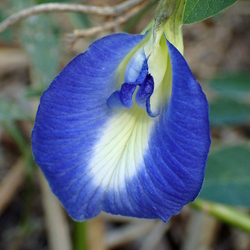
[120, 161]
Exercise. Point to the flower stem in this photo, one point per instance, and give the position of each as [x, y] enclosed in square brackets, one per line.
[164, 10]
[80, 237]
[227, 214]
[168, 20]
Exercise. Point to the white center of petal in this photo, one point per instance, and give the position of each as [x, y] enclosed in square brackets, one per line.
[119, 152]
[134, 66]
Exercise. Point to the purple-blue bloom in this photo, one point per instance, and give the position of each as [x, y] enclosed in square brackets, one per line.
[112, 133]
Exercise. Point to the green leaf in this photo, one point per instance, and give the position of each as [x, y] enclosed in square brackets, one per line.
[228, 112]
[236, 85]
[41, 42]
[12, 111]
[39, 36]
[227, 178]
[198, 10]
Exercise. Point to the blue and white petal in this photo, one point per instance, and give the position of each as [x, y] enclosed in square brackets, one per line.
[98, 156]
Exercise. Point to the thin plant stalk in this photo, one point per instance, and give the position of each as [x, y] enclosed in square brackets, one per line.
[227, 214]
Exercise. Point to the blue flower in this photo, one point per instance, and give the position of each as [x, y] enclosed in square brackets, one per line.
[124, 129]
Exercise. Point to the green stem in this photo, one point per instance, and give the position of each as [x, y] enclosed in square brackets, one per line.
[230, 215]
[164, 10]
[80, 237]
[168, 20]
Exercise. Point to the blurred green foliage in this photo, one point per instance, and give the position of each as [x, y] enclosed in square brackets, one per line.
[233, 85]
[231, 105]
[39, 36]
[12, 110]
[227, 178]
[226, 111]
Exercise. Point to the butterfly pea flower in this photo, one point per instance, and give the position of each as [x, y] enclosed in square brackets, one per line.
[124, 128]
